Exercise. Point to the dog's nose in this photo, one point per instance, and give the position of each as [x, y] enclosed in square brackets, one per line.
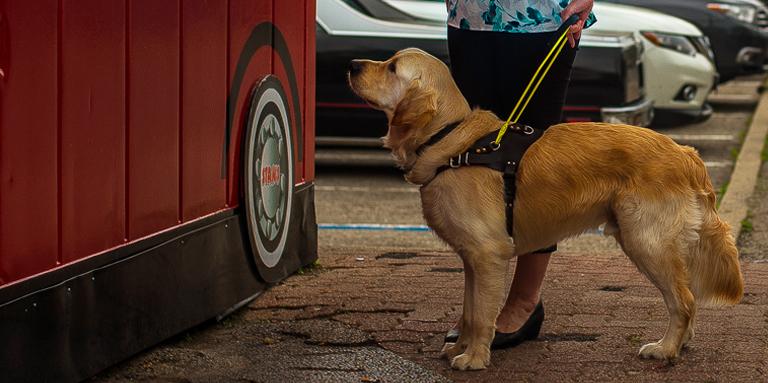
[355, 66]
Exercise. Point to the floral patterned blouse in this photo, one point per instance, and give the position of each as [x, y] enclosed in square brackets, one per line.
[516, 16]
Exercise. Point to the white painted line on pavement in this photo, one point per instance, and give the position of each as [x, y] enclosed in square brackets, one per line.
[400, 227]
[366, 189]
[718, 164]
[372, 226]
[702, 137]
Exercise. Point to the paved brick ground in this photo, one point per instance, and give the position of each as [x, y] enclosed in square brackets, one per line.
[599, 310]
[380, 317]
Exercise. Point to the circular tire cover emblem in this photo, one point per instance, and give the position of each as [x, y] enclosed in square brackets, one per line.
[268, 171]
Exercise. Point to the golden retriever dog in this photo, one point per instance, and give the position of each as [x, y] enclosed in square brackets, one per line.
[653, 195]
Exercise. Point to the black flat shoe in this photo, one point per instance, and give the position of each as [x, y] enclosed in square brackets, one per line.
[529, 330]
[452, 336]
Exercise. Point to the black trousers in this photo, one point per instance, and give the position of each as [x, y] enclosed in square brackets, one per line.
[493, 68]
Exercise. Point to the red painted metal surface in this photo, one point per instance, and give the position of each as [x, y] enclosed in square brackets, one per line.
[244, 15]
[290, 17]
[28, 138]
[153, 116]
[92, 127]
[204, 78]
[309, 91]
[114, 114]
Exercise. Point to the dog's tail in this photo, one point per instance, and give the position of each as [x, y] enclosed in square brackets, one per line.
[713, 264]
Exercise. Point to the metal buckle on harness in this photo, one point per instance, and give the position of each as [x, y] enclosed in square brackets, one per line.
[494, 146]
[527, 130]
[458, 160]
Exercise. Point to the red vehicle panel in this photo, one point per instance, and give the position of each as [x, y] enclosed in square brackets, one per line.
[254, 61]
[127, 181]
[28, 195]
[293, 33]
[309, 93]
[203, 72]
[92, 127]
[153, 116]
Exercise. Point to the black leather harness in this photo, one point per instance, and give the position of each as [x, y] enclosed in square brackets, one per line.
[504, 157]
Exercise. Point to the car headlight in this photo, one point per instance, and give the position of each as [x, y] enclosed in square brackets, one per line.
[704, 47]
[674, 42]
[743, 12]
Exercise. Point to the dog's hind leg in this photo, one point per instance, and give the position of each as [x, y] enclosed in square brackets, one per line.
[667, 272]
[655, 241]
[689, 334]
[486, 285]
[682, 309]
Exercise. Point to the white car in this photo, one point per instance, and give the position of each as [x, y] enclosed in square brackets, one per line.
[679, 70]
[679, 67]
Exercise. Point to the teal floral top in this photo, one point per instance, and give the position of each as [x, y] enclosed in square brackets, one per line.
[516, 16]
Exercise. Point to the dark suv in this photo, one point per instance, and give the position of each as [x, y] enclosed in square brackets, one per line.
[735, 28]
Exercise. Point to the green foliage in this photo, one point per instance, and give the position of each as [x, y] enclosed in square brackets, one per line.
[721, 192]
[734, 154]
[315, 265]
[743, 133]
[746, 224]
[634, 339]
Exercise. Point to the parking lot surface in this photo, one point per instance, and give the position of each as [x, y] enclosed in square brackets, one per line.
[376, 307]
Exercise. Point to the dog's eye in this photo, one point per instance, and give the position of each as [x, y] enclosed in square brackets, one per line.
[391, 67]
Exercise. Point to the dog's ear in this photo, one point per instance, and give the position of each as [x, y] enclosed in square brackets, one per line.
[415, 111]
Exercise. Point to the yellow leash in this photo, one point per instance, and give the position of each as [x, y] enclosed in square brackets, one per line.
[549, 59]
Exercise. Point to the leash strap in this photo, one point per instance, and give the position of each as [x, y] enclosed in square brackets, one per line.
[505, 157]
[538, 76]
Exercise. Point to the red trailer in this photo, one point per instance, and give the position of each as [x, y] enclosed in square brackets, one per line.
[156, 171]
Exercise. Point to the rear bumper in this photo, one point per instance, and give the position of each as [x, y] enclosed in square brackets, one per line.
[672, 116]
[639, 113]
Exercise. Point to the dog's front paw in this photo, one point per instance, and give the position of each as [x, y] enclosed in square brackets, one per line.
[688, 336]
[477, 360]
[657, 350]
[450, 350]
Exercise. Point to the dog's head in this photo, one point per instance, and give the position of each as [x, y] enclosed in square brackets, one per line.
[415, 90]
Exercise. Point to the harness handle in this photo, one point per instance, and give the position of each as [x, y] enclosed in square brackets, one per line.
[567, 23]
[549, 59]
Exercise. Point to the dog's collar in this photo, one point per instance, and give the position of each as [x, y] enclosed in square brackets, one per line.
[438, 136]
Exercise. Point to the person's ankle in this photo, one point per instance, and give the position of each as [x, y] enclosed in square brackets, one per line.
[527, 303]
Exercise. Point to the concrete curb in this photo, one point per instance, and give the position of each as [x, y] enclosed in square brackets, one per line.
[733, 207]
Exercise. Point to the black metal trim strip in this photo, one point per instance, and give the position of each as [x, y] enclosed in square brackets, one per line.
[69, 331]
[20, 289]
[51, 278]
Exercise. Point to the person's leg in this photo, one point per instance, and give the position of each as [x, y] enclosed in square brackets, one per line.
[513, 59]
[544, 110]
[524, 293]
